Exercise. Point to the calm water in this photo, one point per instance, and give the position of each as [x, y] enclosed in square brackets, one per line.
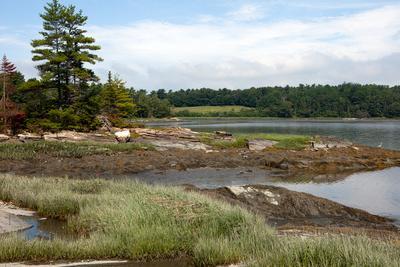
[372, 133]
[376, 192]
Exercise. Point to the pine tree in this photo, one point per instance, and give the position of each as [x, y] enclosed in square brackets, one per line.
[63, 51]
[116, 102]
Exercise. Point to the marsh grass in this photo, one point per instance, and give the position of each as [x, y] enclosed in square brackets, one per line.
[24, 151]
[134, 221]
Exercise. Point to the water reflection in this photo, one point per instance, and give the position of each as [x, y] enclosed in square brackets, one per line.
[376, 192]
[42, 228]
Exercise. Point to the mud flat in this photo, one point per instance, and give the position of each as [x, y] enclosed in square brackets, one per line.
[289, 163]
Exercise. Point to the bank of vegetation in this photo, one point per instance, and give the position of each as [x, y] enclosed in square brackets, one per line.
[130, 220]
[346, 100]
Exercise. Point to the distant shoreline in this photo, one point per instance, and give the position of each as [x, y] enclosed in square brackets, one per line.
[317, 119]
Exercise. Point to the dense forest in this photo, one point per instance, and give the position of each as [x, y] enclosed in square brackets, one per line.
[345, 100]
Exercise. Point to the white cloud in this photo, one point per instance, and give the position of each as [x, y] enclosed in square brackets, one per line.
[362, 48]
[248, 12]
[216, 53]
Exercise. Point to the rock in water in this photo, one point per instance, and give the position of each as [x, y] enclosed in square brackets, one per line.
[123, 136]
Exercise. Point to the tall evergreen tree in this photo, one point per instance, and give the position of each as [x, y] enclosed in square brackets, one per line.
[63, 51]
[115, 99]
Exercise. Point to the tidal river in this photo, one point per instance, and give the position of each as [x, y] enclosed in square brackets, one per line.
[377, 192]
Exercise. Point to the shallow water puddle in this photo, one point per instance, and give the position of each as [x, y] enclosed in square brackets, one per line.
[42, 228]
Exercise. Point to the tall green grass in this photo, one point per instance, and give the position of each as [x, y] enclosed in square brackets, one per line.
[31, 150]
[130, 220]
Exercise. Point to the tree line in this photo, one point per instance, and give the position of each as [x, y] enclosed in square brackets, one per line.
[303, 101]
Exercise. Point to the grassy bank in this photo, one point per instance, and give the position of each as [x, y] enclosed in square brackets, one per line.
[31, 150]
[130, 220]
[214, 111]
[208, 109]
[284, 141]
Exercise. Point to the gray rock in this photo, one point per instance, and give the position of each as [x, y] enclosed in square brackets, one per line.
[259, 145]
[29, 137]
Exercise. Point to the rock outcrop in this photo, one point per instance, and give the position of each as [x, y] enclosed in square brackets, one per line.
[259, 145]
[283, 207]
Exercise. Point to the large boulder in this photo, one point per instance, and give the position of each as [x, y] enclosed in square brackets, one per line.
[123, 136]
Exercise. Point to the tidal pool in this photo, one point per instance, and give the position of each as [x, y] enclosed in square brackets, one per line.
[42, 228]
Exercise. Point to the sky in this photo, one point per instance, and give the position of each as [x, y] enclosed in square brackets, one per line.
[174, 44]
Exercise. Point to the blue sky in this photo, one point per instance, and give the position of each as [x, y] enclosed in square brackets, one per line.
[219, 43]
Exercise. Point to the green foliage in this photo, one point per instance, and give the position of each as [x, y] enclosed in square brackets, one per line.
[150, 105]
[345, 100]
[115, 100]
[215, 111]
[63, 97]
[63, 51]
